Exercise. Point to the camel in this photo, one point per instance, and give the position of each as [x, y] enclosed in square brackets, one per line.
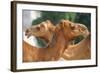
[56, 47]
[50, 53]
[72, 50]
[44, 30]
[79, 51]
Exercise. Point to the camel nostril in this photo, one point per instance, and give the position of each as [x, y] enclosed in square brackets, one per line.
[27, 31]
[26, 34]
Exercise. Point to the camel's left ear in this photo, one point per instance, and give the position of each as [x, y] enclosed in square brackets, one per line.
[48, 21]
[38, 28]
[43, 25]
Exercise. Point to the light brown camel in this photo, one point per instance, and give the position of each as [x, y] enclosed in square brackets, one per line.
[44, 30]
[79, 51]
[73, 51]
[51, 53]
[56, 47]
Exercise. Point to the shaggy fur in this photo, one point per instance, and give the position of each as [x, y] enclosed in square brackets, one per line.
[79, 51]
[47, 28]
[50, 53]
[44, 30]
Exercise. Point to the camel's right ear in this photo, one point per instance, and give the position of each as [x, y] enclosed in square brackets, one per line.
[48, 21]
[62, 24]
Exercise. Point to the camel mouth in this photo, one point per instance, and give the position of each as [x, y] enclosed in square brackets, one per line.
[27, 35]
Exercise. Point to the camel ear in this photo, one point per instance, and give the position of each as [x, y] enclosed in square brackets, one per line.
[43, 25]
[72, 26]
[48, 21]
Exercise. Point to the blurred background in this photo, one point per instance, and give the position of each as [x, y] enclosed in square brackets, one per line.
[35, 17]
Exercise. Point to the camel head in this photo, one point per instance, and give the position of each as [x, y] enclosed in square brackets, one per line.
[41, 30]
[72, 30]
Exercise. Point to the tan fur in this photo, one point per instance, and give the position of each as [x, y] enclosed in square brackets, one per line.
[56, 46]
[79, 51]
[50, 53]
[43, 30]
[75, 29]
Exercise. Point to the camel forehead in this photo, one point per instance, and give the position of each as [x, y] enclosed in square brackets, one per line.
[76, 28]
[43, 26]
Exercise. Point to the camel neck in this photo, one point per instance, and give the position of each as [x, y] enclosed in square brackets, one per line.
[58, 40]
[47, 37]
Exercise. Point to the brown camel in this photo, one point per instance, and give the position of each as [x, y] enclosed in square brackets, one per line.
[73, 51]
[44, 30]
[79, 51]
[51, 53]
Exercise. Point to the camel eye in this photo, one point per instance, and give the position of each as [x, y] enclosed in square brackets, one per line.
[72, 26]
[38, 28]
[61, 22]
